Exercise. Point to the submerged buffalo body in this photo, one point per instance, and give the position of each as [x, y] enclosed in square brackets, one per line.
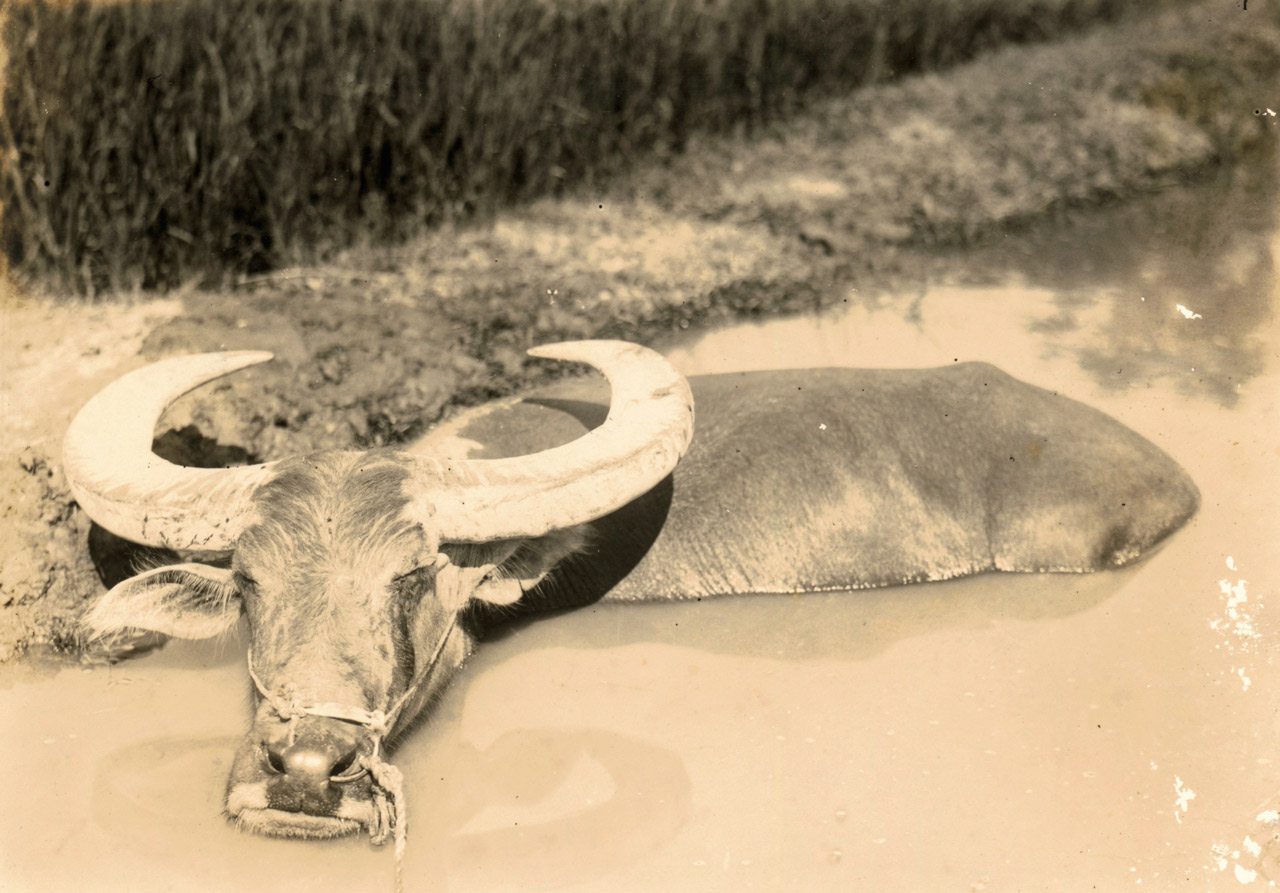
[366, 578]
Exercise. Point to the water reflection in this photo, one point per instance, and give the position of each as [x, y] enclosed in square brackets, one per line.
[1119, 277]
[1174, 291]
[537, 807]
[1170, 290]
[545, 807]
[825, 625]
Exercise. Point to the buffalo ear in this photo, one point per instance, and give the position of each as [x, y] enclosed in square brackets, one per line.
[528, 563]
[456, 585]
[188, 601]
[501, 592]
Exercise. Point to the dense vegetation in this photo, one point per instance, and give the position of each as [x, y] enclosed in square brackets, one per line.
[145, 144]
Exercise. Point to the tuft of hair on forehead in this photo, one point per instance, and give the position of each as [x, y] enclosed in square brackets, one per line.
[364, 485]
[346, 504]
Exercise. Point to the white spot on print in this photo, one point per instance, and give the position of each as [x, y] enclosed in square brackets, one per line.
[1235, 624]
[1249, 863]
[1185, 796]
[1218, 856]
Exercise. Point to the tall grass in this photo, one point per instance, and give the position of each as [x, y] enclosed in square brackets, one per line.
[146, 143]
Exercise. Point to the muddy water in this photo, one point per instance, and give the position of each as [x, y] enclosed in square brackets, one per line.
[999, 733]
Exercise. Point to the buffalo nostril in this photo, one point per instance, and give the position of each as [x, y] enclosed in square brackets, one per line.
[275, 763]
[341, 770]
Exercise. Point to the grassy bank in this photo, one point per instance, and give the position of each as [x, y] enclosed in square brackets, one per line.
[145, 144]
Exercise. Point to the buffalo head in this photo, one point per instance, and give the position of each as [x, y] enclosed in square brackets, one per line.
[351, 567]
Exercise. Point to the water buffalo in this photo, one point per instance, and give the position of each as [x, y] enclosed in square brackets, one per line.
[366, 577]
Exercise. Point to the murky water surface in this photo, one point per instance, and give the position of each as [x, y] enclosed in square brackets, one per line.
[999, 733]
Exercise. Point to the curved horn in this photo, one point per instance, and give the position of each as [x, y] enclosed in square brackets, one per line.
[131, 491]
[649, 426]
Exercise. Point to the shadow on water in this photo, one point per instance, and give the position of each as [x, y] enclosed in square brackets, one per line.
[853, 625]
[1123, 273]
[457, 791]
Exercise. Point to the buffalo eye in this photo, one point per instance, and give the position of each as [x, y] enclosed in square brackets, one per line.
[413, 580]
[243, 581]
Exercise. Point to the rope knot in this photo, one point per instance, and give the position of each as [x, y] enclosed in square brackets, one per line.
[285, 703]
[379, 723]
[388, 797]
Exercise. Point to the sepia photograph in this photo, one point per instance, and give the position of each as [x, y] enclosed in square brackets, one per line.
[631, 445]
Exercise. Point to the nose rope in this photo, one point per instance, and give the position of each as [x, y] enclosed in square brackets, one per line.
[389, 814]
